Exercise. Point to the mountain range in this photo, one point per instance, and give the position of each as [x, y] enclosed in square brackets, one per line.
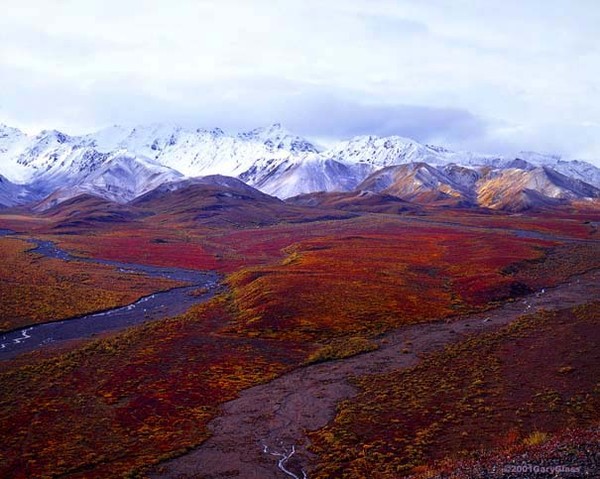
[123, 165]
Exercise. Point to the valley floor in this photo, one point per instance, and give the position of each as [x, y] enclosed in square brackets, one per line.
[371, 345]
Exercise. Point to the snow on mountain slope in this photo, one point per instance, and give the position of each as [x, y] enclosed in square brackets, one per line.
[9, 138]
[422, 183]
[271, 159]
[12, 142]
[311, 173]
[344, 166]
[464, 178]
[396, 150]
[460, 166]
[12, 194]
[277, 137]
[579, 170]
[203, 152]
[121, 178]
[192, 152]
[529, 160]
[226, 182]
[44, 150]
[380, 152]
[125, 176]
[263, 157]
[107, 139]
[50, 160]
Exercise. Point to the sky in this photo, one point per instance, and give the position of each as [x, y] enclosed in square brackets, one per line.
[495, 76]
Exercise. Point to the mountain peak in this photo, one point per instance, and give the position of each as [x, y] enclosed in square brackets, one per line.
[217, 132]
[60, 136]
[277, 137]
[269, 131]
[4, 126]
[9, 132]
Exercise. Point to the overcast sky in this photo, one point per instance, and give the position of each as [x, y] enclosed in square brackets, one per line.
[489, 75]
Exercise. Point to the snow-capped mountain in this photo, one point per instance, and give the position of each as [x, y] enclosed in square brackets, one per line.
[121, 177]
[203, 152]
[12, 142]
[280, 162]
[120, 163]
[292, 176]
[396, 150]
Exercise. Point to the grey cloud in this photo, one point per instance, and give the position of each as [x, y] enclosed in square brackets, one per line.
[235, 105]
[325, 112]
[338, 117]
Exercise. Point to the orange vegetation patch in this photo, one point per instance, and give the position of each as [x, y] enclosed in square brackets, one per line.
[118, 404]
[490, 392]
[36, 289]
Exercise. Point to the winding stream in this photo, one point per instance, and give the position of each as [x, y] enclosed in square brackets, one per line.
[152, 307]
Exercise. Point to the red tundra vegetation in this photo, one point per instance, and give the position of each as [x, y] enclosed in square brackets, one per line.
[120, 403]
[297, 293]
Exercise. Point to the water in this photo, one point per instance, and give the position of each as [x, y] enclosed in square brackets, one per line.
[148, 308]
